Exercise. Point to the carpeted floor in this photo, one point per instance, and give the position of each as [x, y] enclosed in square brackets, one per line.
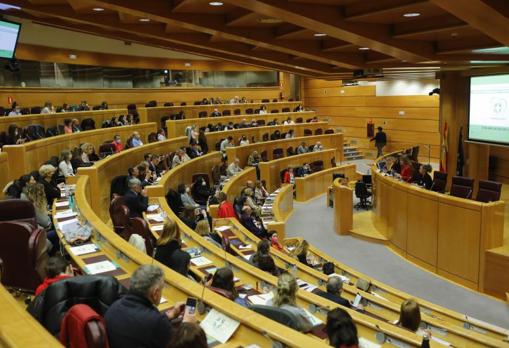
[314, 221]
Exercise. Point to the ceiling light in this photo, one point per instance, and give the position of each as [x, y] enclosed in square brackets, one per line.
[215, 3]
[363, 48]
[270, 20]
[98, 9]
[411, 14]
[144, 19]
[187, 64]
[454, 34]
[319, 34]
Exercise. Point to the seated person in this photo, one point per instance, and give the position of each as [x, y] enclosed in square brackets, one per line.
[262, 258]
[179, 158]
[318, 147]
[215, 113]
[276, 135]
[200, 191]
[424, 177]
[334, 287]
[288, 121]
[65, 166]
[189, 335]
[203, 229]
[289, 177]
[67, 126]
[406, 169]
[290, 134]
[47, 178]
[260, 192]
[135, 198]
[234, 168]
[117, 143]
[190, 216]
[136, 139]
[254, 159]
[185, 196]
[301, 252]
[251, 223]
[263, 110]
[274, 241]
[168, 250]
[250, 201]
[226, 209]
[410, 316]
[341, 329]
[57, 269]
[144, 174]
[134, 320]
[243, 140]
[302, 148]
[152, 162]
[273, 122]
[161, 135]
[87, 154]
[285, 298]
[194, 151]
[18, 187]
[226, 143]
[223, 283]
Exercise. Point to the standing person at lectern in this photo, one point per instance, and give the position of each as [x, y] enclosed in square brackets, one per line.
[380, 139]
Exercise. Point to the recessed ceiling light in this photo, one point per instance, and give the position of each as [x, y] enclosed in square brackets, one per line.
[269, 20]
[363, 48]
[144, 19]
[187, 64]
[98, 9]
[454, 34]
[319, 34]
[215, 3]
[411, 14]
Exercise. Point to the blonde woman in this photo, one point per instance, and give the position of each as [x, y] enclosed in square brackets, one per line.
[47, 178]
[168, 250]
[203, 229]
[88, 149]
[65, 168]
[285, 298]
[301, 252]
[35, 194]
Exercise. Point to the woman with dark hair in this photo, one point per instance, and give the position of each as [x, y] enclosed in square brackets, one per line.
[202, 141]
[13, 136]
[223, 283]
[410, 316]
[341, 329]
[18, 188]
[189, 335]
[67, 126]
[262, 258]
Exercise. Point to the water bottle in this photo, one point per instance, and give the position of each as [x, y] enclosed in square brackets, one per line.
[425, 340]
[71, 201]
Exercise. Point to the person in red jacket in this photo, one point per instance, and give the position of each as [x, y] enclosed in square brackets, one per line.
[57, 269]
[289, 177]
[117, 143]
[226, 209]
[406, 169]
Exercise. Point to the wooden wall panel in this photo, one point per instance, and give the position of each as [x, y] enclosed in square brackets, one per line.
[120, 97]
[405, 119]
[4, 171]
[501, 169]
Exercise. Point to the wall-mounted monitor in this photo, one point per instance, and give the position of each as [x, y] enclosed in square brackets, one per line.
[488, 119]
[9, 34]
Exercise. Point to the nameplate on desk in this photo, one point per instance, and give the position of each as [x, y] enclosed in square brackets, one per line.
[155, 217]
[62, 204]
[222, 228]
[65, 214]
[219, 326]
[156, 228]
[200, 261]
[100, 267]
[84, 249]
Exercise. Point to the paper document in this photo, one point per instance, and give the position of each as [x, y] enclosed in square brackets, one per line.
[69, 225]
[364, 343]
[313, 319]
[62, 204]
[84, 249]
[439, 340]
[100, 267]
[157, 227]
[219, 326]
[153, 207]
[247, 246]
[262, 299]
[65, 214]
[155, 217]
[222, 228]
[200, 261]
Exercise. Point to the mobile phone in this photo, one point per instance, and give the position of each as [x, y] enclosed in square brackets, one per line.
[357, 301]
[190, 306]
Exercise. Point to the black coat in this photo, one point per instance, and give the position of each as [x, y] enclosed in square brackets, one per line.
[133, 322]
[334, 298]
[172, 256]
[136, 203]
[51, 190]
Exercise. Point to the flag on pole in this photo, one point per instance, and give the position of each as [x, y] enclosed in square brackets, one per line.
[460, 158]
[444, 148]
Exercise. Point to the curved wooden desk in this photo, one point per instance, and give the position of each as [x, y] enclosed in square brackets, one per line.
[316, 184]
[343, 207]
[177, 127]
[329, 141]
[25, 158]
[102, 172]
[53, 120]
[192, 111]
[442, 233]
[270, 171]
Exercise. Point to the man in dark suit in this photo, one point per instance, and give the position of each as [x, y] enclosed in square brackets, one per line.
[380, 139]
[334, 287]
[253, 225]
[136, 198]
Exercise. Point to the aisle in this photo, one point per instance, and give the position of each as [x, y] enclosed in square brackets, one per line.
[314, 222]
